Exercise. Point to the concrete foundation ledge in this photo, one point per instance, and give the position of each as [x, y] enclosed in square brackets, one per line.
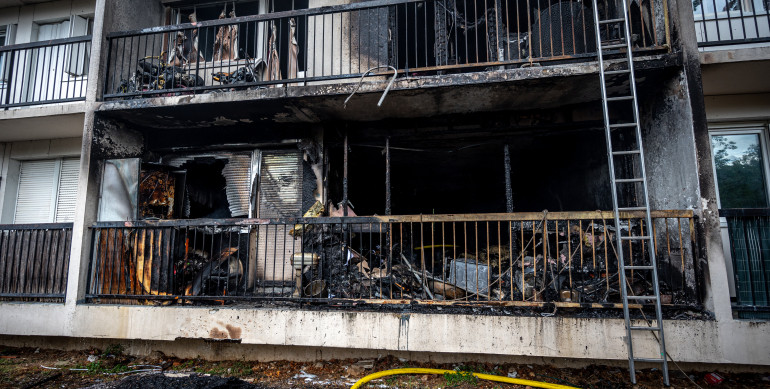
[218, 351]
[589, 340]
[43, 110]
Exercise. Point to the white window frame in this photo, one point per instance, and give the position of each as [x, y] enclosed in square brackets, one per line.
[717, 129]
[7, 37]
[78, 54]
[55, 187]
[760, 129]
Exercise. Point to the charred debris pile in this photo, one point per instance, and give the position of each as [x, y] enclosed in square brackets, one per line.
[391, 263]
[517, 263]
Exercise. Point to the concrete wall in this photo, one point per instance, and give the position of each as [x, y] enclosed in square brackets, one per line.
[729, 342]
[738, 108]
[669, 146]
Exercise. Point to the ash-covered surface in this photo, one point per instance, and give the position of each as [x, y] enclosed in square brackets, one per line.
[546, 310]
[107, 369]
[162, 381]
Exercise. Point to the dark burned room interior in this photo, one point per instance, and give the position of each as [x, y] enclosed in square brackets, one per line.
[464, 173]
[554, 163]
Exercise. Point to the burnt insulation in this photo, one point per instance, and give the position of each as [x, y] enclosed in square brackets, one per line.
[309, 186]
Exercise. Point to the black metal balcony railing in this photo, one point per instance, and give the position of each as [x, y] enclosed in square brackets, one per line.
[723, 22]
[47, 72]
[520, 259]
[345, 41]
[34, 260]
[749, 231]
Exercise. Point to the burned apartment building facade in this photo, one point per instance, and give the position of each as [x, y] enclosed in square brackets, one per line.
[334, 178]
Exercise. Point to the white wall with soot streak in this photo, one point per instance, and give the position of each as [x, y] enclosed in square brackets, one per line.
[697, 341]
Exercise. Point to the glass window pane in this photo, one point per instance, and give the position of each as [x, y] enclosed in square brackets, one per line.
[739, 168]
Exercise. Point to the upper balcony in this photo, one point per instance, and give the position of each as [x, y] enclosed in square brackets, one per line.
[322, 52]
[732, 22]
[47, 72]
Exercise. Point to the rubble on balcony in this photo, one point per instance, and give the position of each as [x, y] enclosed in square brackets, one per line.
[588, 273]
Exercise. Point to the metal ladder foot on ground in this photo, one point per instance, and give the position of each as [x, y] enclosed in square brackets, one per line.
[632, 153]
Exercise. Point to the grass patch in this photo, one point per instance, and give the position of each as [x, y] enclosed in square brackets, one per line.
[212, 370]
[459, 378]
[240, 369]
[97, 367]
[114, 349]
[188, 364]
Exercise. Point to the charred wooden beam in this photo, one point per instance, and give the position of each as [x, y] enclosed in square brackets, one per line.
[387, 176]
[508, 188]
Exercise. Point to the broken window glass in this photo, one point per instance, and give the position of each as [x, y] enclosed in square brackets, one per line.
[120, 180]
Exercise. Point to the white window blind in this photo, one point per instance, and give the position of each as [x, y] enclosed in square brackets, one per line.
[34, 200]
[237, 172]
[67, 195]
[47, 191]
[280, 184]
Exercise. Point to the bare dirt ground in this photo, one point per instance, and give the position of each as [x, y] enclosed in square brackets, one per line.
[112, 369]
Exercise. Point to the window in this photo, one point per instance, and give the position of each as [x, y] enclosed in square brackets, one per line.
[252, 37]
[741, 169]
[206, 185]
[47, 191]
[6, 38]
[79, 53]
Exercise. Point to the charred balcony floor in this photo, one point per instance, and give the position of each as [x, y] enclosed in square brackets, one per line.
[413, 96]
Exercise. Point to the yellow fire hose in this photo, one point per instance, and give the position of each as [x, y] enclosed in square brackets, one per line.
[488, 377]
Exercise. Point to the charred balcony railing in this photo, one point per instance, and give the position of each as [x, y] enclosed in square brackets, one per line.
[725, 22]
[749, 231]
[519, 259]
[34, 259]
[54, 71]
[347, 41]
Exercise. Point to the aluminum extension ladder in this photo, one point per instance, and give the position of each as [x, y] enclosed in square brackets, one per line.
[613, 125]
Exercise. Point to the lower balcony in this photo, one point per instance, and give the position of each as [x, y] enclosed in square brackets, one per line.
[749, 232]
[547, 260]
[34, 260]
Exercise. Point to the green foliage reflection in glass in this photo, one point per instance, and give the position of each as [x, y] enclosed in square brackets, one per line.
[739, 168]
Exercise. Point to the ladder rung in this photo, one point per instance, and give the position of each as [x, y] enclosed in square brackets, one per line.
[608, 21]
[644, 237]
[626, 152]
[611, 72]
[621, 180]
[619, 125]
[641, 298]
[614, 46]
[632, 208]
[642, 328]
[651, 360]
[620, 98]
[638, 267]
